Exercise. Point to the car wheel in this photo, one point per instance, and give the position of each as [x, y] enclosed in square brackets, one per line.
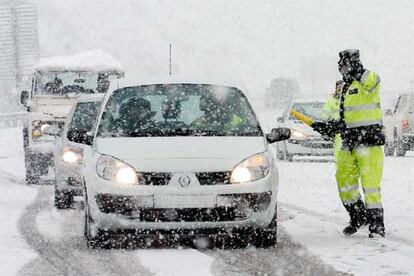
[266, 237]
[400, 148]
[95, 237]
[32, 176]
[389, 149]
[63, 199]
[283, 155]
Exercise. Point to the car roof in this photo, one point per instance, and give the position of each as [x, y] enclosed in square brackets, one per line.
[183, 79]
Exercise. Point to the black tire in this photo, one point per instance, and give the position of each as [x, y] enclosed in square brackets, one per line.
[401, 148]
[266, 237]
[283, 155]
[32, 175]
[63, 199]
[97, 238]
[389, 149]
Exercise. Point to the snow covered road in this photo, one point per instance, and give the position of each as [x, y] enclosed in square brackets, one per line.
[37, 239]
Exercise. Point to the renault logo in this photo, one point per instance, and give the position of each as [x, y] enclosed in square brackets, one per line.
[184, 181]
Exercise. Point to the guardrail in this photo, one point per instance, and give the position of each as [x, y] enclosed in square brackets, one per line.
[9, 120]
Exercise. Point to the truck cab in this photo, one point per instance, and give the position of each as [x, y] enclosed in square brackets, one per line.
[56, 84]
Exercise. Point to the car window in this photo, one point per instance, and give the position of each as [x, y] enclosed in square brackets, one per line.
[84, 116]
[178, 110]
[315, 110]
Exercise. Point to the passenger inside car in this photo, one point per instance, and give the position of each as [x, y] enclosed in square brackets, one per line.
[216, 114]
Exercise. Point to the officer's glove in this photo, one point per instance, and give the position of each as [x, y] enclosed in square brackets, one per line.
[327, 129]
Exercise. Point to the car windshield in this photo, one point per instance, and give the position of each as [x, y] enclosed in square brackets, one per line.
[84, 116]
[178, 110]
[67, 83]
[315, 110]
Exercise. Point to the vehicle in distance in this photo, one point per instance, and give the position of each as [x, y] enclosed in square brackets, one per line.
[304, 141]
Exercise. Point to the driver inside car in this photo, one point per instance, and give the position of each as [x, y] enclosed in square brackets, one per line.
[54, 86]
[136, 116]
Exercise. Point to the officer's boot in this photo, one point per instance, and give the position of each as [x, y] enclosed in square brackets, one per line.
[376, 222]
[358, 215]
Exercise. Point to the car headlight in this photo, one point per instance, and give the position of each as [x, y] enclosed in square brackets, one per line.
[115, 170]
[72, 155]
[251, 169]
[298, 134]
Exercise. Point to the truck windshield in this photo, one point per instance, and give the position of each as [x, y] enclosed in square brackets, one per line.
[67, 83]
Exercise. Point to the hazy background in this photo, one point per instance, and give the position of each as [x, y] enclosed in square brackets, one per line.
[250, 41]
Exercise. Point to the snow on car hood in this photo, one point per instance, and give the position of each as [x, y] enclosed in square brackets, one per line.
[181, 154]
[57, 106]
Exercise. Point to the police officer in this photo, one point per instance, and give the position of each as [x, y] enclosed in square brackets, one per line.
[360, 159]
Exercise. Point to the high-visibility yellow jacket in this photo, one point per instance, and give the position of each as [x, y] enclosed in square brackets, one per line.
[362, 102]
[362, 114]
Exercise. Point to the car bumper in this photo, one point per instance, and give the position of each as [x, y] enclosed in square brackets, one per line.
[162, 208]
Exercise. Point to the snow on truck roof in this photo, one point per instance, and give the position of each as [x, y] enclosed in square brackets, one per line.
[89, 61]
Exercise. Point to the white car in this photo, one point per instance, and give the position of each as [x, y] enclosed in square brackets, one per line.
[180, 156]
[399, 125]
[304, 141]
[68, 155]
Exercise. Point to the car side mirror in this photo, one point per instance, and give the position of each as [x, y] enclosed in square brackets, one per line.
[281, 120]
[278, 134]
[24, 97]
[80, 137]
[52, 130]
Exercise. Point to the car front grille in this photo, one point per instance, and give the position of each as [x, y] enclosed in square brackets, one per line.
[189, 214]
[156, 179]
[131, 207]
[214, 178]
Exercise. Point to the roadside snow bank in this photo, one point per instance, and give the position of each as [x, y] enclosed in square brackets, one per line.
[14, 197]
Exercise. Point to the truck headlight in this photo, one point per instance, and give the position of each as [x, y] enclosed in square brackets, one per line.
[38, 127]
[251, 169]
[115, 170]
[72, 155]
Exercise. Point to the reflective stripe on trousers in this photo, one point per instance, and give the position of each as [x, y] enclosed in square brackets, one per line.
[363, 165]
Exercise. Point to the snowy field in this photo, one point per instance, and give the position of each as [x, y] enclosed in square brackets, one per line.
[37, 239]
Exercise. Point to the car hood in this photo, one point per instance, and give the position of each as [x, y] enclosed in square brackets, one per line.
[181, 154]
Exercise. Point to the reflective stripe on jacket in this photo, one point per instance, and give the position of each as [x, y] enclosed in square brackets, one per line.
[362, 102]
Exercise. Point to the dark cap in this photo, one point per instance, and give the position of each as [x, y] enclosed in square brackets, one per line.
[349, 54]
